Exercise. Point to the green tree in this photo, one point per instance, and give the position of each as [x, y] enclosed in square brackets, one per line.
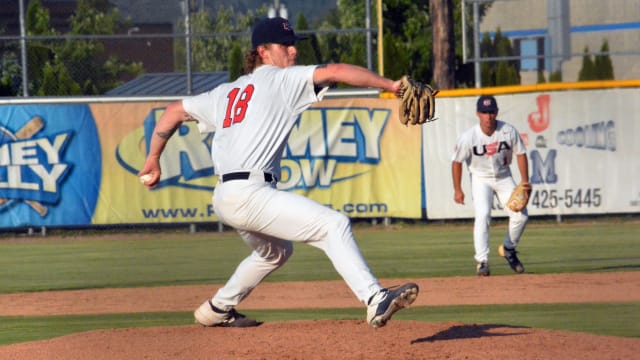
[220, 45]
[213, 39]
[602, 63]
[72, 66]
[56, 80]
[406, 38]
[353, 47]
[328, 43]
[502, 72]
[465, 72]
[541, 79]
[236, 62]
[308, 52]
[39, 53]
[10, 84]
[555, 76]
[86, 60]
[587, 72]
[486, 68]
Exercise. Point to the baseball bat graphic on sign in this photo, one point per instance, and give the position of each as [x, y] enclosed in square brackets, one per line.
[29, 129]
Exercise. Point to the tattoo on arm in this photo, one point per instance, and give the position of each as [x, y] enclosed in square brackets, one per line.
[167, 134]
[320, 86]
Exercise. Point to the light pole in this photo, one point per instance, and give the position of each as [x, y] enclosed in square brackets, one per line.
[23, 52]
[186, 8]
[277, 9]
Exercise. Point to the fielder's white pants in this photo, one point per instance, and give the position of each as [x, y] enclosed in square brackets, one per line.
[482, 191]
[268, 220]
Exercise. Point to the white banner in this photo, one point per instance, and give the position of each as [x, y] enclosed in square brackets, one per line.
[583, 149]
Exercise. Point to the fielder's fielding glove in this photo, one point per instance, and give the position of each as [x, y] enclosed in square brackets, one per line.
[519, 197]
[417, 102]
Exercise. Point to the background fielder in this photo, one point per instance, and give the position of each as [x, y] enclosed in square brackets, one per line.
[487, 148]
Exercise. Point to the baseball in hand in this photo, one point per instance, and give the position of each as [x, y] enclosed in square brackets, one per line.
[144, 178]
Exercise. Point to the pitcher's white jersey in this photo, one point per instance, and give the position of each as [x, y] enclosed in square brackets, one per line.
[489, 156]
[252, 116]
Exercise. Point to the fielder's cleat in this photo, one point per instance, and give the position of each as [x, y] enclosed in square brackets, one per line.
[209, 315]
[512, 258]
[386, 302]
[482, 269]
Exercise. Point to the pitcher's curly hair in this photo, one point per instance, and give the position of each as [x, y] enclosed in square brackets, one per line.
[251, 61]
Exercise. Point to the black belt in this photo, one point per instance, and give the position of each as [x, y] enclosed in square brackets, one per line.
[244, 175]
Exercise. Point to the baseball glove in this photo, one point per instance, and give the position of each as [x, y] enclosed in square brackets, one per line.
[519, 197]
[417, 102]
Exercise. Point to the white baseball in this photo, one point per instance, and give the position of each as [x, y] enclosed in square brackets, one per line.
[144, 178]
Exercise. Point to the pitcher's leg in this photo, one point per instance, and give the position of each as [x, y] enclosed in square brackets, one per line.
[297, 218]
[268, 255]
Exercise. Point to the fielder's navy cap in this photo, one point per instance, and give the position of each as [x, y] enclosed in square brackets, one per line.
[487, 104]
[275, 30]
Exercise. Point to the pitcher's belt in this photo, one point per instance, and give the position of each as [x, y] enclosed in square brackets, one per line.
[244, 175]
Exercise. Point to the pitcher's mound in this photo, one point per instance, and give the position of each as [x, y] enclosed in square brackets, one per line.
[326, 339]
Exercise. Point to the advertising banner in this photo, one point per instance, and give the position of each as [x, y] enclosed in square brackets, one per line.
[50, 165]
[582, 149]
[354, 156]
[77, 164]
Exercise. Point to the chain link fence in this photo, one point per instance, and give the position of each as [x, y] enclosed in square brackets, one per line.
[545, 45]
[99, 64]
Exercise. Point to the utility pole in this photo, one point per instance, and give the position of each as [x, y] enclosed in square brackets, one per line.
[23, 52]
[186, 8]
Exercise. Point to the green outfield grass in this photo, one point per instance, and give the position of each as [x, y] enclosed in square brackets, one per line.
[85, 261]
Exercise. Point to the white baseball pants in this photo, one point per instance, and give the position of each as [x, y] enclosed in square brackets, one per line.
[482, 191]
[268, 220]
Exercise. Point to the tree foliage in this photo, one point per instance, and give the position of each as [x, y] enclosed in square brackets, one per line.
[603, 65]
[587, 72]
[308, 52]
[236, 62]
[599, 67]
[406, 39]
[74, 66]
[503, 72]
[10, 80]
[79, 66]
[215, 37]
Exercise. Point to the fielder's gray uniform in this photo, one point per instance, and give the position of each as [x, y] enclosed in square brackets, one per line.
[252, 118]
[488, 159]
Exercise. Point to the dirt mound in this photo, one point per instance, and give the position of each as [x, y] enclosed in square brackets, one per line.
[329, 340]
[344, 339]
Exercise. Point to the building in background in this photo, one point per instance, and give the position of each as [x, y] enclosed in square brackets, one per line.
[591, 23]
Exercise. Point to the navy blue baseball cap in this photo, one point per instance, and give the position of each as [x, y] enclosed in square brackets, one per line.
[487, 104]
[275, 30]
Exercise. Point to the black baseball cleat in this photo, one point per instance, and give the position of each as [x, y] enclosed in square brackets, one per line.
[512, 258]
[209, 315]
[386, 302]
[482, 269]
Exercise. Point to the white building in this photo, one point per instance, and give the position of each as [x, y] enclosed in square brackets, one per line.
[591, 22]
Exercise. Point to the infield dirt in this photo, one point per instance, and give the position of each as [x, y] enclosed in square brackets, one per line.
[337, 339]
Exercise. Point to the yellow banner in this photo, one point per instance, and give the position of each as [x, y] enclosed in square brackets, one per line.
[354, 156]
[349, 154]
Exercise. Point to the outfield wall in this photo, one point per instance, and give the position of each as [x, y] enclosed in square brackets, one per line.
[69, 162]
[583, 149]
